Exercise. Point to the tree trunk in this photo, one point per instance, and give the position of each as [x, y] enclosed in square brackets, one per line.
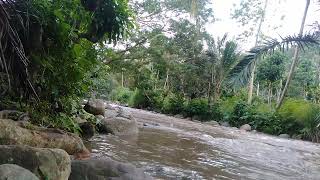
[295, 58]
[258, 89]
[167, 80]
[269, 93]
[251, 82]
[122, 79]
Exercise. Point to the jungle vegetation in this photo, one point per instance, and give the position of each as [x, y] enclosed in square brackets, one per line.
[158, 55]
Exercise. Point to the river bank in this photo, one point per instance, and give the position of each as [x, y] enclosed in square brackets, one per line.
[174, 148]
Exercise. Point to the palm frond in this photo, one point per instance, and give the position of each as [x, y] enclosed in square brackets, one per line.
[241, 72]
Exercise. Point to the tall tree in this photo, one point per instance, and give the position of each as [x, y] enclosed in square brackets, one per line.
[295, 57]
[252, 10]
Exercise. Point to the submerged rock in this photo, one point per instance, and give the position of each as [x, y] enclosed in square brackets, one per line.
[45, 163]
[103, 169]
[14, 133]
[225, 124]
[287, 136]
[212, 123]
[95, 107]
[14, 172]
[245, 127]
[179, 116]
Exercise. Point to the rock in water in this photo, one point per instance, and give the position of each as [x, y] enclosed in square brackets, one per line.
[287, 136]
[245, 127]
[225, 124]
[14, 172]
[118, 122]
[179, 116]
[87, 130]
[95, 107]
[45, 163]
[13, 133]
[102, 169]
[212, 123]
[120, 126]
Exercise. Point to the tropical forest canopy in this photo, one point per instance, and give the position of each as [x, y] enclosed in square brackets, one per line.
[158, 55]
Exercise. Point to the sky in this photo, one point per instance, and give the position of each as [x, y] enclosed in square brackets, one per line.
[292, 10]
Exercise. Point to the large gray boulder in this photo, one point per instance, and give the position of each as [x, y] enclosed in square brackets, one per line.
[15, 133]
[118, 121]
[44, 163]
[102, 169]
[14, 172]
[245, 127]
[95, 107]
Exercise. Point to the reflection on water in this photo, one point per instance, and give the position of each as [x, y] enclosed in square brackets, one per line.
[181, 154]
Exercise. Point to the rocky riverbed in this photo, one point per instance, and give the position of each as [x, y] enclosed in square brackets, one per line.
[136, 144]
[175, 148]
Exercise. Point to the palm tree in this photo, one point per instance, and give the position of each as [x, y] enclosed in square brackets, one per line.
[222, 56]
[295, 58]
[241, 72]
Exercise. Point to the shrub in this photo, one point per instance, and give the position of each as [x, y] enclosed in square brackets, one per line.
[63, 117]
[173, 104]
[297, 110]
[257, 116]
[122, 95]
[146, 99]
[201, 109]
[302, 117]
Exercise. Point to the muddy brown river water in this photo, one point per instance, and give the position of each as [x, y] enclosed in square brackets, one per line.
[171, 148]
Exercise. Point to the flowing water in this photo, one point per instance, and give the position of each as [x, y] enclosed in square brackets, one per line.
[170, 148]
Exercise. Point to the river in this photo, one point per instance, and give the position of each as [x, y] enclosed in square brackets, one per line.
[171, 148]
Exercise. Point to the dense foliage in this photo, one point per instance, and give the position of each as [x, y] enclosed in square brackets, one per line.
[55, 53]
[55, 58]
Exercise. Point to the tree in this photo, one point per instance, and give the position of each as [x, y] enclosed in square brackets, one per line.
[46, 35]
[222, 56]
[271, 70]
[245, 14]
[295, 58]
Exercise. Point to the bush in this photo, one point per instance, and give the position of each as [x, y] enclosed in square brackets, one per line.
[297, 110]
[62, 115]
[301, 117]
[257, 116]
[146, 99]
[201, 109]
[173, 104]
[122, 95]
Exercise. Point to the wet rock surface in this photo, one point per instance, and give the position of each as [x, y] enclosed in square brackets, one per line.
[183, 149]
[95, 106]
[14, 172]
[44, 163]
[102, 169]
[118, 121]
[245, 127]
[15, 133]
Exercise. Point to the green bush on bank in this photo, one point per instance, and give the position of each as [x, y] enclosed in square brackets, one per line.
[296, 117]
[173, 104]
[122, 95]
[201, 109]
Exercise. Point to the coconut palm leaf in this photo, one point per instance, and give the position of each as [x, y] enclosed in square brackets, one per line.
[241, 72]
